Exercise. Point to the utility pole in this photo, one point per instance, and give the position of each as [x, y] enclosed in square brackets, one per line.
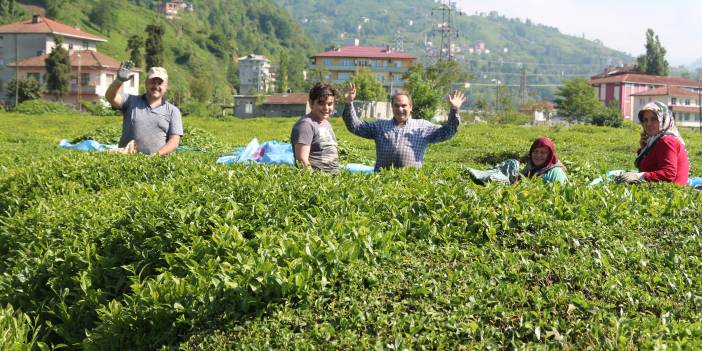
[699, 101]
[445, 28]
[80, 83]
[523, 86]
[16, 71]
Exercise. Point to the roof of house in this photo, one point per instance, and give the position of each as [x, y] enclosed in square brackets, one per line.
[45, 25]
[365, 52]
[667, 90]
[287, 99]
[642, 78]
[88, 58]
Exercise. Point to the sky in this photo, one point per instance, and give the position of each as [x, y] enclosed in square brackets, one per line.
[619, 24]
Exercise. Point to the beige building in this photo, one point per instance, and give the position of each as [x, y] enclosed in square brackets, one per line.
[387, 66]
[30, 42]
[256, 74]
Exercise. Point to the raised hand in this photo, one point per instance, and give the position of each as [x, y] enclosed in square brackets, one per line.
[125, 71]
[630, 177]
[456, 99]
[350, 93]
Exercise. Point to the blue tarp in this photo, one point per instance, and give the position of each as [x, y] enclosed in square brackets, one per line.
[274, 152]
[86, 145]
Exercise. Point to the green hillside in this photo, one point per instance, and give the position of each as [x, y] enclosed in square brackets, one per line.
[201, 47]
[549, 55]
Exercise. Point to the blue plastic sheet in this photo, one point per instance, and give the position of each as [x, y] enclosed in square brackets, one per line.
[274, 152]
[86, 145]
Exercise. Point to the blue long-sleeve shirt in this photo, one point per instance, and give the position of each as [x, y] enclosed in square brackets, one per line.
[400, 145]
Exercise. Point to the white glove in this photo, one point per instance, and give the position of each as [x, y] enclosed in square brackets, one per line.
[630, 177]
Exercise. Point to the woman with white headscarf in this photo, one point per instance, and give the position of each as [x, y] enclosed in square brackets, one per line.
[662, 156]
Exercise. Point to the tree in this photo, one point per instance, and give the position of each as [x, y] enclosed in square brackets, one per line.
[54, 8]
[577, 101]
[154, 45]
[368, 88]
[104, 14]
[283, 72]
[10, 11]
[610, 116]
[425, 97]
[29, 89]
[134, 45]
[653, 62]
[427, 86]
[58, 70]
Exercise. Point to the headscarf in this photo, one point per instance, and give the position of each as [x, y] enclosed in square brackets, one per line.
[666, 123]
[552, 162]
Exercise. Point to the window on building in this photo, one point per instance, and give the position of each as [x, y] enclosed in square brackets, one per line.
[86, 45]
[85, 79]
[347, 62]
[35, 75]
[343, 76]
[687, 102]
[673, 101]
[70, 46]
[642, 101]
[380, 77]
[328, 62]
[110, 78]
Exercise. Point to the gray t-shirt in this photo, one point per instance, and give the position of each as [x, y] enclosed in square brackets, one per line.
[148, 127]
[324, 154]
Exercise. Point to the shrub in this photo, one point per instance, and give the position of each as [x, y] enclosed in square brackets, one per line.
[99, 108]
[511, 117]
[38, 107]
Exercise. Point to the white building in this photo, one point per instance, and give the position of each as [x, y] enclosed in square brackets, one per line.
[30, 42]
[255, 74]
[683, 102]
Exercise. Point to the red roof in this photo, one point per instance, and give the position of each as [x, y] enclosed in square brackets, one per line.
[365, 52]
[88, 58]
[667, 90]
[287, 99]
[45, 25]
[644, 79]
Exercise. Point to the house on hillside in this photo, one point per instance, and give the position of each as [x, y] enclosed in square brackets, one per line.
[171, 8]
[627, 87]
[256, 74]
[25, 45]
[340, 64]
[94, 72]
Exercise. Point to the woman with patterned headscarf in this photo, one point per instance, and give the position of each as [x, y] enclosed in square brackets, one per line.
[662, 156]
[544, 163]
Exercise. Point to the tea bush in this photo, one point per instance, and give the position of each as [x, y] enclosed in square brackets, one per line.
[104, 251]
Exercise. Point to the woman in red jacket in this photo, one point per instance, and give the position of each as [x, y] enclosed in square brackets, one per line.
[662, 156]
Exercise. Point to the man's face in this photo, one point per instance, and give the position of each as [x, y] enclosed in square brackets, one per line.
[156, 88]
[321, 109]
[401, 109]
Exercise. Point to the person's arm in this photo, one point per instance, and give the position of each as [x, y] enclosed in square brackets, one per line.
[448, 130]
[665, 152]
[353, 124]
[171, 145]
[555, 174]
[112, 95]
[302, 155]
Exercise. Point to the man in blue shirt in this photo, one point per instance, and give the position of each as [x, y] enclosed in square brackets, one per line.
[401, 141]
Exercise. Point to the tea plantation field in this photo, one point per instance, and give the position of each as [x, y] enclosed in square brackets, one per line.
[114, 252]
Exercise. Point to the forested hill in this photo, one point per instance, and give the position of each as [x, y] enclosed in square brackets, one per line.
[201, 47]
[550, 55]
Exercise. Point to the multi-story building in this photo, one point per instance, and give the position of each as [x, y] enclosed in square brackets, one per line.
[629, 89]
[172, 8]
[256, 74]
[340, 64]
[684, 103]
[25, 45]
[94, 72]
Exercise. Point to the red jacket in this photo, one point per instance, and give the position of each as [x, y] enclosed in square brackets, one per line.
[666, 162]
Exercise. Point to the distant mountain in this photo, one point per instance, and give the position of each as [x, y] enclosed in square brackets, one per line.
[548, 55]
[696, 64]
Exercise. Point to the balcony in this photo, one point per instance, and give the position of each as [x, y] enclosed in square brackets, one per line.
[391, 69]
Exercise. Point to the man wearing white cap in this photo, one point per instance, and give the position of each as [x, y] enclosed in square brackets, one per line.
[150, 124]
